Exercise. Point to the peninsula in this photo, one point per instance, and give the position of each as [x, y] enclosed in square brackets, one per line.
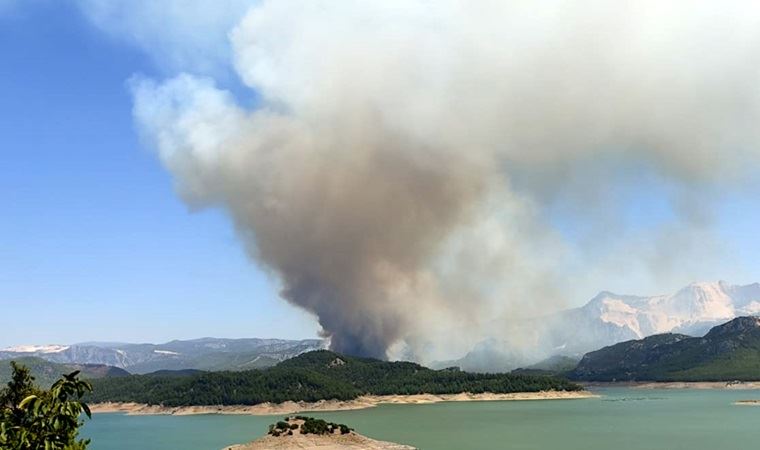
[318, 380]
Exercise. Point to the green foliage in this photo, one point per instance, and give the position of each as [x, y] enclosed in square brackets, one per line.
[307, 425]
[555, 365]
[317, 426]
[33, 419]
[728, 352]
[313, 376]
[46, 372]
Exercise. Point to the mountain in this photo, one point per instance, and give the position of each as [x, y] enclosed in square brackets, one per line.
[490, 355]
[199, 354]
[553, 365]
[313, 376]
[609, 318]
[727, 352]
[46, 372]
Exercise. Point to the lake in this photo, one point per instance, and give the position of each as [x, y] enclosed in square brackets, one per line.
[622, 419]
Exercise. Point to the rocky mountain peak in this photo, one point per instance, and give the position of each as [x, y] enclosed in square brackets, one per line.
[738, 326]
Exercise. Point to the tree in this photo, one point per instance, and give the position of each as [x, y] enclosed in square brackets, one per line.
[20, 387]
[32, 419]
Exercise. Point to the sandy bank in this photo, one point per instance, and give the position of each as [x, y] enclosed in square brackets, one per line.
[331, 437]
[747, 403]
[368, 401]
[312, 442]
[738, 385]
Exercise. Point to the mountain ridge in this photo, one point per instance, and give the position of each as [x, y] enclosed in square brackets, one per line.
[313, 376]
[728, 352]
[606, 319]
[199, 354]
[46, 372]
[609, 318]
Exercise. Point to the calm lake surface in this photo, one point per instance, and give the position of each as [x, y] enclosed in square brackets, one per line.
[622, 419]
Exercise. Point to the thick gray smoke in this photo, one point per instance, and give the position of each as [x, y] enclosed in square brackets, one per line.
[397, 172]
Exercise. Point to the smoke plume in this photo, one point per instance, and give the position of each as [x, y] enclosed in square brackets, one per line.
[401, 167]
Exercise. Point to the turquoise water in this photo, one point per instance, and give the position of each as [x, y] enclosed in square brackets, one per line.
[622, 419]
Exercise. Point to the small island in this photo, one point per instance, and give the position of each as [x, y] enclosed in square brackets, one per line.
[300, 432]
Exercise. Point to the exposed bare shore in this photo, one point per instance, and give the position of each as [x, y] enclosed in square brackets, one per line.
[369, 401]
[333, 438]
[738, 385]
[747, 403]
[351, 441]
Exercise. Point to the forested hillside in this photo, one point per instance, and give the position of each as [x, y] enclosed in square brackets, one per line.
[313, 376]
[728, 352]
[46, 372]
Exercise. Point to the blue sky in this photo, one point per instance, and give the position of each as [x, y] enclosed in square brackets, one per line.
[96, 245]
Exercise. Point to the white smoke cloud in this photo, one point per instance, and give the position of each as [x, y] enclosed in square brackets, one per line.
[398, 174]
[179, 34]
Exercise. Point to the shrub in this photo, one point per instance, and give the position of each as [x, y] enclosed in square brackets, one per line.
[31, 419]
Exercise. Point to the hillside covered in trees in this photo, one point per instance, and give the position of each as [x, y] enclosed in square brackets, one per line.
[729, 352]
[45, 373]
[312, 376]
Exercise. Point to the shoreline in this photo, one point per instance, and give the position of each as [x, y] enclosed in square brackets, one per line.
[351, 441]
[333, 437]
[719, 385]
[363, 402]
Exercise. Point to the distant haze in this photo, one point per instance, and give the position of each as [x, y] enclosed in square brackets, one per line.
[608, 319]
[402, 169]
